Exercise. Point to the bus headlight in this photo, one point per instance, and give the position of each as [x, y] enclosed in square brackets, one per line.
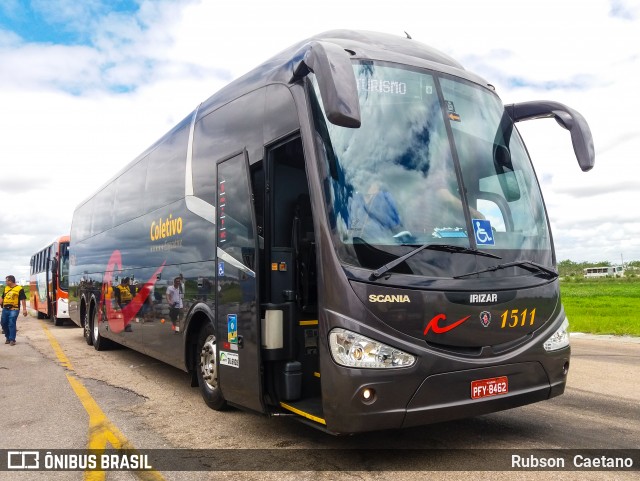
[354, 350]
[559, 339]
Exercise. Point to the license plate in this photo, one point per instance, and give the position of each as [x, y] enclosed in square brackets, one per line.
[489, 387]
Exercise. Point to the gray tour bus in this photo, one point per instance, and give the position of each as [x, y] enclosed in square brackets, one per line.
[351, 233]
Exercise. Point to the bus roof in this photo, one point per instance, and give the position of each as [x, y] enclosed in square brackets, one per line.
[362, 45]
[279, 69]
[59, 240]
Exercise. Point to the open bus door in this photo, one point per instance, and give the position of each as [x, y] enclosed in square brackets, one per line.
[54, 283]
[290, 335]
[237, 311]
[50, 277]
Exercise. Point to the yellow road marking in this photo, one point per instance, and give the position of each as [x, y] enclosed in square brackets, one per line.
[101, 430]
[64, 361]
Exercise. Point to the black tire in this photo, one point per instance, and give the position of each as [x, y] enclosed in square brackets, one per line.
[86, 330]
[206, 365]
[99, 342]
[56, 320]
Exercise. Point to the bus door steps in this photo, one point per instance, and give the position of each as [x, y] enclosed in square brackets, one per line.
[309, 408]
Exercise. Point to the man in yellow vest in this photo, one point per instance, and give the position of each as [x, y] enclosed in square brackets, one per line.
[124, 296]
[123, 292]
[12, 296]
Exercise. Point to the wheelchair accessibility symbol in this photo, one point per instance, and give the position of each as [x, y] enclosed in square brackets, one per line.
[483, 232]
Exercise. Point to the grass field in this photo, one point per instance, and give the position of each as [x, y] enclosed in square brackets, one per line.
[602, 306]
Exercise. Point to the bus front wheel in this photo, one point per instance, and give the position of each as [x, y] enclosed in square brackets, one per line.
[207, 369]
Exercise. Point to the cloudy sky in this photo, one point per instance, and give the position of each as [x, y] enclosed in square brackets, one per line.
[86, 85]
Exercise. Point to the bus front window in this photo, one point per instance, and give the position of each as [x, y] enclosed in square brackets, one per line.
[64, 267]
[397, 181]
[499, 180]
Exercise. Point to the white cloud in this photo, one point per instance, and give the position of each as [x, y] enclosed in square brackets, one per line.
[72, 116]
[34, 68]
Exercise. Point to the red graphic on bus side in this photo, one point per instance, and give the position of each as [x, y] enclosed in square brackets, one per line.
[119, 318]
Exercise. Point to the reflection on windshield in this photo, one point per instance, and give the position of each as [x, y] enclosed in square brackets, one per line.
[397, 167]
[495, 167]
[393, 181]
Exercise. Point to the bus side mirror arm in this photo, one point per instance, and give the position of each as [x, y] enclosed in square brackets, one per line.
[332, 66]
[568, 118]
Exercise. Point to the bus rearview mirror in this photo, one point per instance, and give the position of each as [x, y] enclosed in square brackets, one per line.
[334, 73]
[568, 118]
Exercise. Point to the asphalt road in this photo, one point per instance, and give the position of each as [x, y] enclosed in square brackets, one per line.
[54, 389]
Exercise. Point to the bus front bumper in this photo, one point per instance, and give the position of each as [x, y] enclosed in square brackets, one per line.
[444, 397]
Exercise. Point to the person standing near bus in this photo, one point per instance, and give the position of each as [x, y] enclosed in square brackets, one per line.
[11, 297]
[174, 298]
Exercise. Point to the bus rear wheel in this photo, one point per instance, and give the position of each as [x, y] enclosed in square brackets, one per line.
[86, 329]
[207, 369]
[99, 342]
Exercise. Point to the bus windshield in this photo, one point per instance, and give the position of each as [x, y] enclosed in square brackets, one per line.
[435, 161]
[64, 266]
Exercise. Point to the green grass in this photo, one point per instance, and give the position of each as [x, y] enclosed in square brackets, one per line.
[602, 306]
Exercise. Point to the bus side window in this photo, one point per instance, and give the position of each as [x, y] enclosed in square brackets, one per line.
[129, 193]
[166, 170]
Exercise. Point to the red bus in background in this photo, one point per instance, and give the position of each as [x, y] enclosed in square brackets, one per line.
[49, 281]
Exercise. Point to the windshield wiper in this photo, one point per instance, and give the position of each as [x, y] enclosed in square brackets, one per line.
[527, 265]
[434, 247]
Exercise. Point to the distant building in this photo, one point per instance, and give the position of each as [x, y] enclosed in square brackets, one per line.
[607, 271]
